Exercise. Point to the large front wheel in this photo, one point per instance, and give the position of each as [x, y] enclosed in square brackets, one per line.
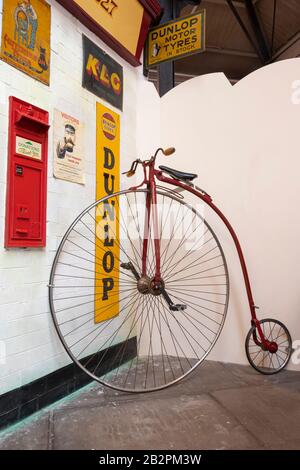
[110, 318]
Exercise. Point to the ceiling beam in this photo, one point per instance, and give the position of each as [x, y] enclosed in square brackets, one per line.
[245, 30]
[180, 4]
[258, 32]
[166, 77]
[234, 52]
[295, 38]
[223, 2]
[182, 77]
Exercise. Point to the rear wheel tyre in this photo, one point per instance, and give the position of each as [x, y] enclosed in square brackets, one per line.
[265, 362]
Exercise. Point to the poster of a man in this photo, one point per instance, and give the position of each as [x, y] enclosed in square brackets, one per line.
[68, 148]
[68, 143]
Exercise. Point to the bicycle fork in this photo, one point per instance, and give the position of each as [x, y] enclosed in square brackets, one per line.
[146, 284]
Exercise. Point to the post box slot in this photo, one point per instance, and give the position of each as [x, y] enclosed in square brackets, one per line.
[27, 121]
[22, 231]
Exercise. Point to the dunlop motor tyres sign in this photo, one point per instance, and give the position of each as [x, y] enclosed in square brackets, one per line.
[176, 39]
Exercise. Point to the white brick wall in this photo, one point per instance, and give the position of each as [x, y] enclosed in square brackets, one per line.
[32, 346]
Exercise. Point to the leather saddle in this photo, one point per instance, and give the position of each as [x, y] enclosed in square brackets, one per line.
[179, 175]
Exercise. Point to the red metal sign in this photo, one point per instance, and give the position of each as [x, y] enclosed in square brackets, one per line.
[27, 176]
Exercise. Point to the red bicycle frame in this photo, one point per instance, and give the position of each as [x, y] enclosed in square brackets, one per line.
[150, 177]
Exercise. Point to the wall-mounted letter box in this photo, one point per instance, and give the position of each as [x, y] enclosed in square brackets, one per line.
[26, 176]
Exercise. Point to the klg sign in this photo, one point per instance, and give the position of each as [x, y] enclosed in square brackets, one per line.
[176, 39]
[102, 75]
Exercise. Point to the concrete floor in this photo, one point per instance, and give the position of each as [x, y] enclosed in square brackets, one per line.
[220, 406]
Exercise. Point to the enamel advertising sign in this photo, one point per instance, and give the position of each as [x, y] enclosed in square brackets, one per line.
[122, 24]
[107, 244]
[102, 75]
[26, 37]
[176, 39]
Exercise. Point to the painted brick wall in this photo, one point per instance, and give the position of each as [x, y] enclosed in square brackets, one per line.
[29, 347]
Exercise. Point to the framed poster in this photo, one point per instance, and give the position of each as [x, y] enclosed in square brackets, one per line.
[68, 148]
[26, 37]
[102, 75]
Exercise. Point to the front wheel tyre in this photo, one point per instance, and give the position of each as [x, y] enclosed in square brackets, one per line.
[112, 323]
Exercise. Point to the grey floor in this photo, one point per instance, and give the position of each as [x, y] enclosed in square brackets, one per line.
[220, 406]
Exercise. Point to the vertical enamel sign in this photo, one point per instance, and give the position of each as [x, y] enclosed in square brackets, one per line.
[107, 251]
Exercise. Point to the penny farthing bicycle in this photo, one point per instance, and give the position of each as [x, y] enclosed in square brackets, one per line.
[139, 287]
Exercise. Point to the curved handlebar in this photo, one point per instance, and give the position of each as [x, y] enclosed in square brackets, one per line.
[167, 152]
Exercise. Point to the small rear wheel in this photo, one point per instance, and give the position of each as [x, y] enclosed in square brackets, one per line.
[262, 360]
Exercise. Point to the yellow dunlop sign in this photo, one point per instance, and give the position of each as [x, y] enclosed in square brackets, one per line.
[107, 251]
[176, 39]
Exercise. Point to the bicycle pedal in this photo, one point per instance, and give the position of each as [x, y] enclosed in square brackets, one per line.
[129, 267]
[126, 266]
[178, 308]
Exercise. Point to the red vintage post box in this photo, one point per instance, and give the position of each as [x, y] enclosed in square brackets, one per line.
[26, 196]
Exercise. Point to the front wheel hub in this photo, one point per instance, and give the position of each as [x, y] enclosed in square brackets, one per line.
[146, 285]
[143, 285]
[156, 287]
[273, 347]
